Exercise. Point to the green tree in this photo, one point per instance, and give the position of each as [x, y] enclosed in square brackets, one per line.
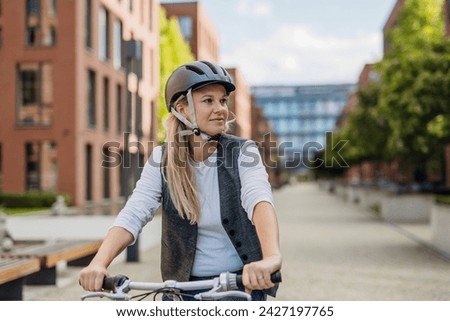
[174, 51]
[415, 78]
[366, 131]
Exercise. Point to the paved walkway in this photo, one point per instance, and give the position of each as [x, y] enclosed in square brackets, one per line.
[332, 250]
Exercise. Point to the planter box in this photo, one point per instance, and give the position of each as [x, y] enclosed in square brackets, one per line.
[409, 208]
[440, 227]
[353, 194]
[341, 191]
[370, 197]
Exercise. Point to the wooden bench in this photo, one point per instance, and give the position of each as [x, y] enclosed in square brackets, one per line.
[74, 253]
[13, 272]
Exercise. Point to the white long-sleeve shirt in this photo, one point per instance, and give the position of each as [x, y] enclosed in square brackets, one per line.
[214, 253]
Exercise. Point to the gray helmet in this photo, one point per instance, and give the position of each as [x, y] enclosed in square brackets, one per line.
[195, 75]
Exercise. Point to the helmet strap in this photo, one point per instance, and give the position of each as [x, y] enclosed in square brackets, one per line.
[190, 100]
[195, 130]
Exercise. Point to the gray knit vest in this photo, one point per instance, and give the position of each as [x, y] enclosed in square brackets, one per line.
[179, 237]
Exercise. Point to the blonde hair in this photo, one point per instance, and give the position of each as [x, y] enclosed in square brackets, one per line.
[179, 172]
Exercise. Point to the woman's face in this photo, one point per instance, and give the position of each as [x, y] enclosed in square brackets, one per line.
[211, 109]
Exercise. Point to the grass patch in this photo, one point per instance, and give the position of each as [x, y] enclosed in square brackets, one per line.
[375, 210]
[443, 199]
[23, 210]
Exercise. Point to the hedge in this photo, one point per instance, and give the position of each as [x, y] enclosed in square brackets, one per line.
[443, 199]
[30, 199]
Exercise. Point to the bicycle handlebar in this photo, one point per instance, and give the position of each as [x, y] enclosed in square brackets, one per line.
[110, 283]
[226, 284]
[274, 277]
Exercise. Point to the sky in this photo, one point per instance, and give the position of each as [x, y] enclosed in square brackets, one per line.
[298, 42]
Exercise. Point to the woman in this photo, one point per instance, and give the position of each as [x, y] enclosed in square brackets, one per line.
[217, 203]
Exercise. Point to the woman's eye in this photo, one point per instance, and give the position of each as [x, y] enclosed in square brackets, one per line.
[224, 101]
[208, 100]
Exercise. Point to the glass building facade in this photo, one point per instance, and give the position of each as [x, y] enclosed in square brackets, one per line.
[301, 116]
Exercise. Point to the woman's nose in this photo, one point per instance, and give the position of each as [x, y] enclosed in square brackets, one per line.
[219, 107]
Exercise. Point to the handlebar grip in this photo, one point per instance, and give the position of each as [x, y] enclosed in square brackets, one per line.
[110, 282]
[274, 277]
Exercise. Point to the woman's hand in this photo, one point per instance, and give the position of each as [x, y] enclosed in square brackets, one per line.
[116, 240]
[256, 275]
[92, 276]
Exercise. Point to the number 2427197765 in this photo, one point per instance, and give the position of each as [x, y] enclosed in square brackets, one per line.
[281, 311]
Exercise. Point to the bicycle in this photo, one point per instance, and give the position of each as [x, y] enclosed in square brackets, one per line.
[224, 286]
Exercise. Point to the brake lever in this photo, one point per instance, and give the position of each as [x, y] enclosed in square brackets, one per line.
[222, 295]
[111, 296]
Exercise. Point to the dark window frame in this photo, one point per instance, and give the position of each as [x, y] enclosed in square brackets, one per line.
[104, 50]
[38, 34]
[106, 91]
[119, 108]
[91, 99]
[88, 23]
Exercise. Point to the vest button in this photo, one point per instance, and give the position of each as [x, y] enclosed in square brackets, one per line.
[231, 232]
[225, 221]
[244, 257]
[238, 244]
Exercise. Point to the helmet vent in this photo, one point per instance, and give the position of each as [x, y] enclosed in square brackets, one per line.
[211, 66]
[224, 71]
[195, 69]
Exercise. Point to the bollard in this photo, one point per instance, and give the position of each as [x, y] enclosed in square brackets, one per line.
[133, 252]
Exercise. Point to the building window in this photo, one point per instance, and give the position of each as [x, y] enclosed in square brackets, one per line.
[106, 104]
[41, 23]
[1, 36]
[50, 38]
[88, 23]
[103, 34]
[91, 99]
[88, 177]
[41, 166]
[185, 23]
[119, 109]
[35, 94]
[30, 86]
[106, 173]
[52, 7]
[33, 7]
[117, 55]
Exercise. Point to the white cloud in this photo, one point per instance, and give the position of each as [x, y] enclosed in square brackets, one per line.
[295, 54]
[243, 7]
[262, 9]
[253, 8]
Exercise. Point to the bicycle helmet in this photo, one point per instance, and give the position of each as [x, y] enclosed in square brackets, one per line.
[195, 75]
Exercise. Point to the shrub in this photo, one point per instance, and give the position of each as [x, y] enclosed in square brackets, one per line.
[30, 199]
[443, 199]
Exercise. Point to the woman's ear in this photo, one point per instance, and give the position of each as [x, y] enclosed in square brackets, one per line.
[182, 108]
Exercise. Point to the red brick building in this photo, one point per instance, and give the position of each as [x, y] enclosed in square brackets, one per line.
[241, 105]
[75, 75]
[197, 29]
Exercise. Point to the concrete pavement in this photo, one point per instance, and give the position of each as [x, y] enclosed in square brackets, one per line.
[332, 250]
